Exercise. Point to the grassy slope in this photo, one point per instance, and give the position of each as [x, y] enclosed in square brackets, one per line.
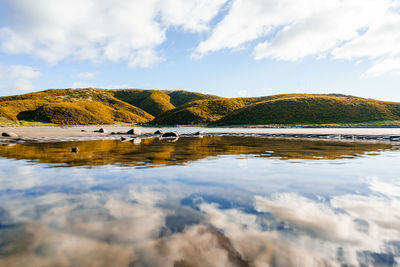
[156, 102]
[179, 98]
[312, 109]
[281, 109]
[71, 106]
[152, 101]
[99, 106]
[199, 112]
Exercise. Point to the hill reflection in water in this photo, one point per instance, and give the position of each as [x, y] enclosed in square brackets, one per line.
[154, 152]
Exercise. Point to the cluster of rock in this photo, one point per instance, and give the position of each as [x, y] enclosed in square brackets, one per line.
[136, 131]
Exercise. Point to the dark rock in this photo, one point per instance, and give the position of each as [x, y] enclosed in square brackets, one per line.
[101, 130]
[198, 133]
[135, 131]
[9, 134]
[159, 132]
[123, 138]
[83, 130]
[113, 133]
[74, 149]
[170, 134]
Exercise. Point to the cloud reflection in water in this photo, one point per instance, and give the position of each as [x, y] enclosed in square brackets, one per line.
[175, 216]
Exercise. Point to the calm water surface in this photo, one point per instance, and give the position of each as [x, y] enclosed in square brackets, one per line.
[212, 201]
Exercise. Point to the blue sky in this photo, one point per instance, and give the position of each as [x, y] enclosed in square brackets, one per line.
[225, 47]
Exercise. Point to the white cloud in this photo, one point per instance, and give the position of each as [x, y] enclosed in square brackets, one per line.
[17, 77]
[84, 75]
[193, 16]
[132, 31]
[291, 29]
[113, 30]
[315, 218]
[385, 66]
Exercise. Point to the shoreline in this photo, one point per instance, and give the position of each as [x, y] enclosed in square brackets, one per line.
[86, 133]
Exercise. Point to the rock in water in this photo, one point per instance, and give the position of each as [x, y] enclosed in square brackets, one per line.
[159, 132]
[198, 133]
[135, 131]
[102, 130]
[9, 134]
[75, 149]
[170, 134]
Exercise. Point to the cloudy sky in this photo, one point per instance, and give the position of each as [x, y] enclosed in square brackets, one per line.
[225, 47]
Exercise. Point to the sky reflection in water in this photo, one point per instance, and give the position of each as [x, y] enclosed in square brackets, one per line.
[215, 201]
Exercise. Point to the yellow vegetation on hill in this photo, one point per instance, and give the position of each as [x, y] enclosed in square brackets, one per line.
[199, 112]
[71, 106]
[100, 106]
[179, 98]
[152, 101]
[156, 102]
[312, 109]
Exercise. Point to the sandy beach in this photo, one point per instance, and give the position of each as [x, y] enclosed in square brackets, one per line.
[52, 134]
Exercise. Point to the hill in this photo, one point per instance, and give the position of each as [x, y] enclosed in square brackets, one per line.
[156, 102]
[71, 106]
[312, 109]
[100, 106]
[199, 112]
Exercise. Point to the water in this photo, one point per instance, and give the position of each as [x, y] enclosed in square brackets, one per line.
[212, 201]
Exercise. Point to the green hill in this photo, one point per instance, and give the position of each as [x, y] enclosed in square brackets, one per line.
[100, 106]
[179, 98]
[152, 101]
[156, 102]
[312, 109]
[199, 112]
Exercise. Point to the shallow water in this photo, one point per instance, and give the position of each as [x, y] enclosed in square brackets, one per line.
[212, 201]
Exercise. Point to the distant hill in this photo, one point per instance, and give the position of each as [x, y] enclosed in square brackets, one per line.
[164, 107]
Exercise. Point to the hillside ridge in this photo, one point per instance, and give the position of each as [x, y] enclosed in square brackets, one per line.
[166, 107]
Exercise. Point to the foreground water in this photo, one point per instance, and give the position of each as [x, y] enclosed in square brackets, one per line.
[212, 201]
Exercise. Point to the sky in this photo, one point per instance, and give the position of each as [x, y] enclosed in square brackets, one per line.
[229, 48]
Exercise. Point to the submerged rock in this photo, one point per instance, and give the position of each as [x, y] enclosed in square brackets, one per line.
[9, 134]
[135, 131]
[159, 132]
[170, 134]
[125, 139]
[75, 149]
